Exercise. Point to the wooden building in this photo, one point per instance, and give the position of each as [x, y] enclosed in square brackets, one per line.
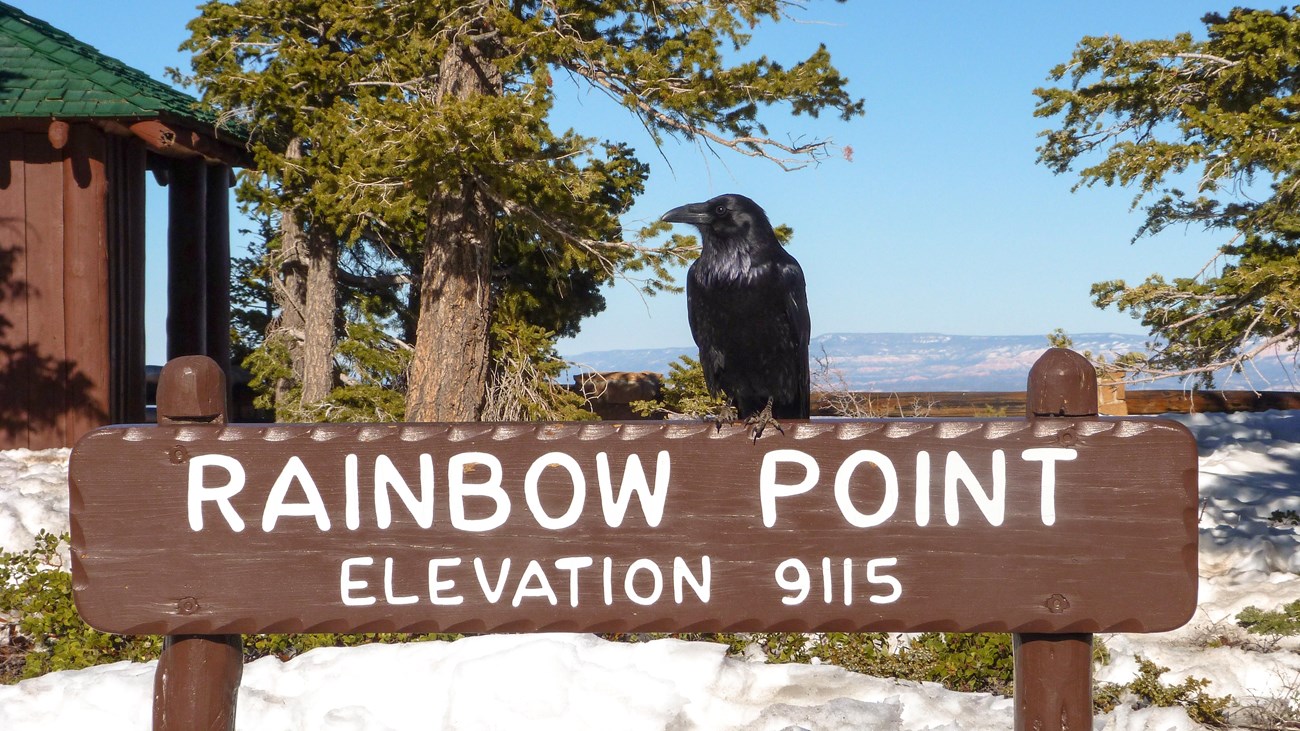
[79, 132]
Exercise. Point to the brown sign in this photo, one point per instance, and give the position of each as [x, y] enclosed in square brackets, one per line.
[1046, 525]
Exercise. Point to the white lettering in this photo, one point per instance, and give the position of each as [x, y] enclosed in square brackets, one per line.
[682, 574]
[436, 585]
[633, 483]
[386, 476]
[199, 493]
[607, 580]
[294, 470]
[888, 503]
[533, 498]
[388, 587]
[572, 564]
[347, 583]
[629, 581]
[769, 489]
[828, 588]
[922, 487]
[351, 493]
[1048, 456]
[992, 505]
[848, 582]
[457, 490]
[801, 584]
[896, 588]
[493, 594]
[534, 571]
[793, 576]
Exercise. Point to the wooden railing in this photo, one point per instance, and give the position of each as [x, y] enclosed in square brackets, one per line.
[996, 403]
[610, 393]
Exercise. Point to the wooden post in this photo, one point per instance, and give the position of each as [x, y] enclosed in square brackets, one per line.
[1053, 672]
[187, 258]
[217, 261]
[196, 684]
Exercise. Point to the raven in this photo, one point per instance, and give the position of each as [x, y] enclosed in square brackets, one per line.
[748, 310]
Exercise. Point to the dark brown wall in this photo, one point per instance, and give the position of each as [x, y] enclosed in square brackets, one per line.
[71, 300]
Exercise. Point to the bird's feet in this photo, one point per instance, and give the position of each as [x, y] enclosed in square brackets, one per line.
[762, 420]
[726, 415]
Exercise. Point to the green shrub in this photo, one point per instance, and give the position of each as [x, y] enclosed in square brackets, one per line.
[1147, 690]
[967, 662]
[1285, 621]
[964, 662]
[683, 394]
[47, 634]
[1284, 517]
[289, 646]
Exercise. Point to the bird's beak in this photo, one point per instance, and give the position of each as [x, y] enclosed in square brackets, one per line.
[696, 213]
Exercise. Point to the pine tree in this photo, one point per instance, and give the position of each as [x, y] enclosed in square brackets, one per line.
[1208, 132]
[423, 134]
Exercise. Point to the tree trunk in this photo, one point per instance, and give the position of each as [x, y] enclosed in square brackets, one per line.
[320, 307]
[448, 378]
[307, 297]
[290, 294]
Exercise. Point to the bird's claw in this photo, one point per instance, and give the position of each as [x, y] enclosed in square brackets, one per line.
[760, 421]
[726, 414]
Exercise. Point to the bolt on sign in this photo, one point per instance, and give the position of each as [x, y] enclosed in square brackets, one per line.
[1007, 525]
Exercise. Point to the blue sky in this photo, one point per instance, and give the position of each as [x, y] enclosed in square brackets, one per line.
[942, 221]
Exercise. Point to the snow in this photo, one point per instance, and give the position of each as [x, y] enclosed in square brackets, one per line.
[1248, 468]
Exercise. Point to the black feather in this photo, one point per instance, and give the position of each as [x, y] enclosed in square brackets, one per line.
[748, 308]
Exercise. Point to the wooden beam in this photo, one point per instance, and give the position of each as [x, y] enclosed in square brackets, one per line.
[126, 249]
[175, 140]
[85, 282]
[186, 259]
[58, 134]
[217, 282]
[1146, 402]
[161, 139]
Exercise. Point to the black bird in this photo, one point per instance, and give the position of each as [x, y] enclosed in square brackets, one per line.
[748, 310]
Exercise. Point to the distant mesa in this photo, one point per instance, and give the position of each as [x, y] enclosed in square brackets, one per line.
[939, 362]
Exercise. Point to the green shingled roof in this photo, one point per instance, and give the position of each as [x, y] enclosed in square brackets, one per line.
[46, 73]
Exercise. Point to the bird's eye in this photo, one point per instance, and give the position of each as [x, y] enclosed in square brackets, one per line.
[720, 209]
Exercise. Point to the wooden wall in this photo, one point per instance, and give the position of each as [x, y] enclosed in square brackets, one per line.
[71, 284]
[72, 269]
[54, 295]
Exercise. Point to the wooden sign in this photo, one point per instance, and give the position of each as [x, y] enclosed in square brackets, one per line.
[1009, 525]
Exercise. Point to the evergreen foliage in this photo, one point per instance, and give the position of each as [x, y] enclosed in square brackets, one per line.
[1205, 131]
[1147, 690]
[45, 631]
[409, 144]
[1282, 622]
[46, 634]
[684, 393]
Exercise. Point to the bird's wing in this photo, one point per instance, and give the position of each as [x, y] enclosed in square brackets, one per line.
[796, 312]
[704, 330]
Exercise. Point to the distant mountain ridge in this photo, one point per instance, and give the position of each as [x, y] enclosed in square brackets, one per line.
[937, 362]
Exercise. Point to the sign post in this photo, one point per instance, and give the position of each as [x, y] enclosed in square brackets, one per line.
[1050, 527]
[196, 683]
[1053, 672]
